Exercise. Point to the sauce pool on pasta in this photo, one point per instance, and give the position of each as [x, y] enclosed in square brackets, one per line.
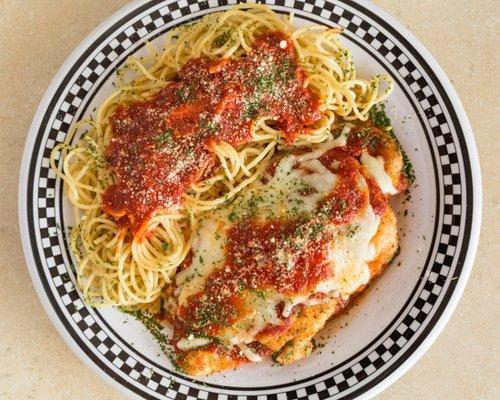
[160, 147]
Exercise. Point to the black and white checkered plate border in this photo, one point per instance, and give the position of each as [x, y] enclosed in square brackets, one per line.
[449, 259]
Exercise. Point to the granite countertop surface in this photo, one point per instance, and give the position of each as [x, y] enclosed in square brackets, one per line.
[36, 36]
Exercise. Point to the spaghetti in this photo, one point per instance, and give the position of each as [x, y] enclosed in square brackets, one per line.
[120, 263]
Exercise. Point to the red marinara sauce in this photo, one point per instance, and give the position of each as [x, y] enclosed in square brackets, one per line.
[161, 146]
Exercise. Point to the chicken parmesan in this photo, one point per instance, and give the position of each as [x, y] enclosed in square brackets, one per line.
[235, 187]
[265, 273]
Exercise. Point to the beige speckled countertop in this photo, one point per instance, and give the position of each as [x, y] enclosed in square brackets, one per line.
[36, 37]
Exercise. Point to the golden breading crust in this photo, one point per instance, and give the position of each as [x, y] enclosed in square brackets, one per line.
[295, 342]
[202, 361]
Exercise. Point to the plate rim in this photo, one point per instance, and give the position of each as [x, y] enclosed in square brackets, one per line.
[475, 174]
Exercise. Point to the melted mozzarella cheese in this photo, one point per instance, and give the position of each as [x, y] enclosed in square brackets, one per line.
[249, 353]
[191, 342]
[208, 254]
[375, 167]
[351, 252]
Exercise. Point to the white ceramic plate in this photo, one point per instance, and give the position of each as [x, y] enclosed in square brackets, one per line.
[403, 311]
